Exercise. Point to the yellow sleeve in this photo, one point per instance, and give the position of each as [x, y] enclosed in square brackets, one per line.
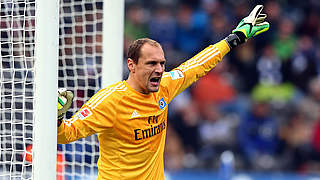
[190, 71]
[94, 117]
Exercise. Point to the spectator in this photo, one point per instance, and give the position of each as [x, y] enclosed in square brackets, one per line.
[310, 103]
[162, 27]
[243, 66]
[185, 122]
[285, 41]
[258, 137]
[135, 24]
[215, 88]
[282, 70]
[301, 67]
[217, 28]
[217, 134]
[190, 34]
[297, 135]
[174, 151]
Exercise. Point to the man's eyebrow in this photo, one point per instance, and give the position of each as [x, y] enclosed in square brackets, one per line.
[154, 60]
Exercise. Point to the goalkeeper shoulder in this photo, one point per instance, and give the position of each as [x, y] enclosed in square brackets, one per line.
[64, 103]
[248, 27]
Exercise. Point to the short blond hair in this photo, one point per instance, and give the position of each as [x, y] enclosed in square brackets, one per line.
[134, 51]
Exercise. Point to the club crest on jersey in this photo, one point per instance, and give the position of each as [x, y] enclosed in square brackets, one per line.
[176, 74]
[162, 103]
[84, 113]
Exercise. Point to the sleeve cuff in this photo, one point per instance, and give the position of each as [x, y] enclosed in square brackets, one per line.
[223, 47]
[60, 128]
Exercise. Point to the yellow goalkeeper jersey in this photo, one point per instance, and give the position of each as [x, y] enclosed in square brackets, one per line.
[131, 126]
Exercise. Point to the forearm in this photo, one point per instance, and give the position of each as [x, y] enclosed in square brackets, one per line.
[64, 135]
[72, 132]
[223, 47]
[220, 49]
[199, 65]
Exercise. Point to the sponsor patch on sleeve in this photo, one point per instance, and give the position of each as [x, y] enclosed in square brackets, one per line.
[176, 74]
[84, 113]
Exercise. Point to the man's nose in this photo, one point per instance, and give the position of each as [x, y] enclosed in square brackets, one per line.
[159, 68]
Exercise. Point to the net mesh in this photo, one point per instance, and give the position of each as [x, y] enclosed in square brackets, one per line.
[17, 19]
[80, 53]
[80, 71]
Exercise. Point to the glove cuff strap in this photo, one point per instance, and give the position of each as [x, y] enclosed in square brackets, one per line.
[235, 39]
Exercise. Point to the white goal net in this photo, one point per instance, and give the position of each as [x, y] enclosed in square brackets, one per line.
[16, 87]
[80, 58]
[79, 70]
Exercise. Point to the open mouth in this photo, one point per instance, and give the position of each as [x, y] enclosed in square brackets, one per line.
[155, 81]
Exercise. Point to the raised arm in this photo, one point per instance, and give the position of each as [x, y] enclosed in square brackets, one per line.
[190, 71]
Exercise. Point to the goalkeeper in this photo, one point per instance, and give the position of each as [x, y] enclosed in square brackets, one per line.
[130, 117]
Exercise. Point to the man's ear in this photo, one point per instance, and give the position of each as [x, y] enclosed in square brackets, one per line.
[131, 65]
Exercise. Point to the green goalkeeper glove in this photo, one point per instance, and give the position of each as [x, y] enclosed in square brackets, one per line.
[64, 102]
[248, 27]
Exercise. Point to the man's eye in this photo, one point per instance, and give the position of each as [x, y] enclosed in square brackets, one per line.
[152, 63]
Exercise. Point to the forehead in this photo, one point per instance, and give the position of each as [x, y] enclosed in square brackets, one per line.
[151, 52]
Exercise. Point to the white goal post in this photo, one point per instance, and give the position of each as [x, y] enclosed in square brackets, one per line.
[46, 85]
[46, 44]
[113, 41]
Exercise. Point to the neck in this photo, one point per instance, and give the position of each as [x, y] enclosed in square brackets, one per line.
[130, 81]
[135, 85]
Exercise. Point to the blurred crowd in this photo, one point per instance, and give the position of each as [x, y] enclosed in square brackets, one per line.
[262, 102]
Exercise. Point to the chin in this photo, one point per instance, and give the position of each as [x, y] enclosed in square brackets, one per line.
[154, 89]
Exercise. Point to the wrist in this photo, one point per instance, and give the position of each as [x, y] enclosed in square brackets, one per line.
[59, 122]
[235, 39]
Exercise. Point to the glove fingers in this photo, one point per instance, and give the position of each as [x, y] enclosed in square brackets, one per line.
[254, 14]
[69, 96]
[262, 27]
[67, 105]
[253, 24]
[262, 24]
[256, 11]
[260, 20]
[62, 90]
[262, 16]
[64, 93]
